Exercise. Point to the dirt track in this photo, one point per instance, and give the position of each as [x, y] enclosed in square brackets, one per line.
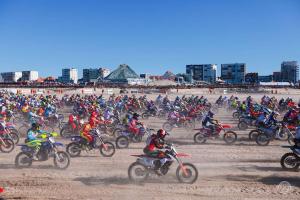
[240, 171]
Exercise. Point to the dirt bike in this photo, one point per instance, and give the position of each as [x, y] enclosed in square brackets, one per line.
[237, 114]
[266, 135]
[56, 120]
[49, 148]
[126, 137]
[107, 149]
[150, 113]
[68, 131]
[185, 122]
[291, 160]
[204, 133]
[10, 134]
[140, 170]
[6, 145]
[245, 122]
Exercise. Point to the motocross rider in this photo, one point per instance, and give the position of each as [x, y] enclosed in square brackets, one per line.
[132, 126]
[209, 122]
[154, 142]
[32, 139]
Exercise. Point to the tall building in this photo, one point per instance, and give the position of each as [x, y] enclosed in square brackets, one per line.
[202, 72]
[277, 77]
[10, 77]
[290, 71]
[69, 75]
[233, 73]
[90, 75]
[251, 78]
[30, 75]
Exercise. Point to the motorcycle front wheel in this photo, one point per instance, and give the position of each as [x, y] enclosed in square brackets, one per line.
[167, 126]
[6, 145]
[61, 160]
[187, 173]
[107, 149]
[230, 137]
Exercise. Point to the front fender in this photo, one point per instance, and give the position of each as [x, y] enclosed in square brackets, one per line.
[58, 144]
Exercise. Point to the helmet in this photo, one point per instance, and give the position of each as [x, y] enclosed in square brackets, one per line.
[135, 116]
[211, 114]
[94, 114]
[161, 133]
[35, 126]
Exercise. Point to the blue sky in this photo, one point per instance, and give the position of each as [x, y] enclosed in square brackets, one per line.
[149, 35]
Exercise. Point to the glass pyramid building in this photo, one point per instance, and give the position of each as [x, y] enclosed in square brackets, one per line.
[122, 74]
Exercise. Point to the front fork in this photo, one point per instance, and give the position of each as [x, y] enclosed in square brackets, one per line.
[56, 154]
[102, 143]
[183, 168]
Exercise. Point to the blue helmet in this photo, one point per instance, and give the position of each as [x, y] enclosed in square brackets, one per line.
[211, 114]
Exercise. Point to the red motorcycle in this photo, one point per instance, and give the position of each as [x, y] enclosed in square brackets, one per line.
[203, 134]
[184, 122]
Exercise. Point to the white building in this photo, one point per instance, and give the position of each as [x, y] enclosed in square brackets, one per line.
[202, 72]
[74, 75]
[69, 75]
[30, 75]
[10, 77]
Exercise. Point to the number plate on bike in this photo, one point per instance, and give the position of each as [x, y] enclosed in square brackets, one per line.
[51, 140]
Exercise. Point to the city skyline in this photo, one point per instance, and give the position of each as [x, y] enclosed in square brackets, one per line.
[151, 37]
[183, 69]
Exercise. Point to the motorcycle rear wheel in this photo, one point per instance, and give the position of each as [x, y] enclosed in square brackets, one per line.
[290, 161]
[73, 149]
[23, 160]
[253, 135]
[199, 138]
[262, 139]
[122, 142]
[138, 172]
[242, 125]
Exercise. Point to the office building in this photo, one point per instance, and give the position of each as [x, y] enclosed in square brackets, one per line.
[251, 78]
[290, 71]
[69, 75]
[10, 77]
[277, 77]
[202, 72]
[233, 73]
[91, 75]
[30, 75]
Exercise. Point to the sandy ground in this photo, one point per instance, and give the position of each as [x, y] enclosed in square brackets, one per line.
[239, 171]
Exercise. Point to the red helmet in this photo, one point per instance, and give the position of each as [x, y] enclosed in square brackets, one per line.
[94, 114]
[161, 133]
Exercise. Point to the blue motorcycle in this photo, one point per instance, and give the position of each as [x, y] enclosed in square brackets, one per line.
[291, 160]
[49, 148]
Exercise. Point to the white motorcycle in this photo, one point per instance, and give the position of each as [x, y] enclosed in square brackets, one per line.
[140, 170]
